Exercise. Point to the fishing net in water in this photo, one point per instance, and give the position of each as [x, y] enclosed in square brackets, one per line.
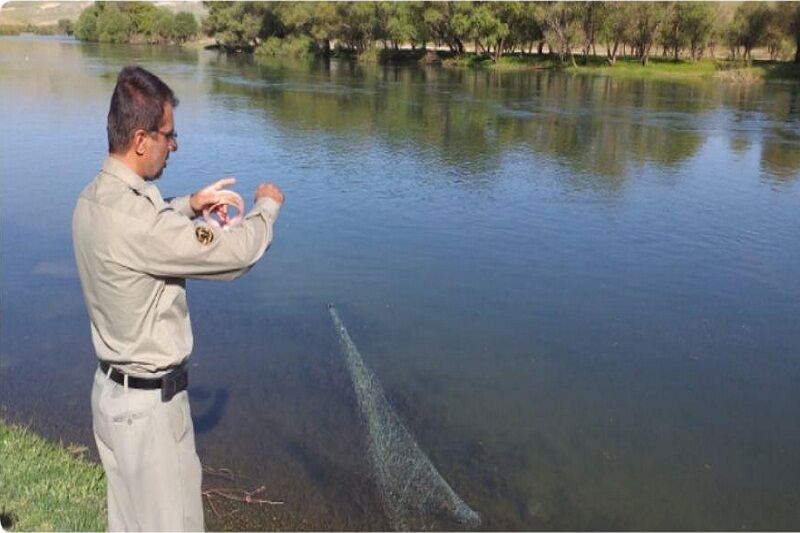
[413, 493]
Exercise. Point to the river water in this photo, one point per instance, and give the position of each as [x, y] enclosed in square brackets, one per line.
[579, 293]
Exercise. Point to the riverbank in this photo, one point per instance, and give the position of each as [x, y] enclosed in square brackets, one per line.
[628, 67]
[657, 68]
[48, 487]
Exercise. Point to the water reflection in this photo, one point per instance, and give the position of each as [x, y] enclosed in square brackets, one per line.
[594, 125]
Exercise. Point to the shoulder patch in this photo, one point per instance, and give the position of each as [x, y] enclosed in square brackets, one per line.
[204, 234]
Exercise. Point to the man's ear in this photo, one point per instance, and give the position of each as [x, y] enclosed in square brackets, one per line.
[139, 142]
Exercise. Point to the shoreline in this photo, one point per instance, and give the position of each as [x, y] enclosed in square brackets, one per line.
[57, 486]
[46, 486]
[658, 68]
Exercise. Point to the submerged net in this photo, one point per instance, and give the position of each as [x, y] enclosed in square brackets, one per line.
[413, 493]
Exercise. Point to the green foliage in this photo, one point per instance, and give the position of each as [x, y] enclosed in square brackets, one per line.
[42, 29]
[86, 26]
[113, 26]
[124, 22]
[65, 26]
[10, 29]
[647, 19]
[696, 21]
[239, 25]
[751, 25]
[493, 29]
[296, 46]
[788, 17]
[185, 26]
[44, 487]
[562, 27]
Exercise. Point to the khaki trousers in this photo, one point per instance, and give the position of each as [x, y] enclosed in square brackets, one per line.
[147, 448]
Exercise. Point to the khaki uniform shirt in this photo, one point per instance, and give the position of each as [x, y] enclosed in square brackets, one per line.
[134, 251]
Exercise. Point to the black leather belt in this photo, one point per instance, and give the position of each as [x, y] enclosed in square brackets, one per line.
[171, 383]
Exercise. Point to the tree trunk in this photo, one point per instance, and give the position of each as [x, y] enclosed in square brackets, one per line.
[540, 50]
[797, 54]
[612, 53]
[498, 50]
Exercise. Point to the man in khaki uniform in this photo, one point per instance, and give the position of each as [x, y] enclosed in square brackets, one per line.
[134, 251]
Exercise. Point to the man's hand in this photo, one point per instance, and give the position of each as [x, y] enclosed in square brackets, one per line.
[268, 190]
[208, 196]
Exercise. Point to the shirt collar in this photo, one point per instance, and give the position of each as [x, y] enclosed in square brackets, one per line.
[122, 172]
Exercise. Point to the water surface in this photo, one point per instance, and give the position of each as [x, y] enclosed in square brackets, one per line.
[579, 293]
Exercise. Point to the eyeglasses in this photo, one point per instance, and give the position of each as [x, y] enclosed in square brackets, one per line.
[171, 136]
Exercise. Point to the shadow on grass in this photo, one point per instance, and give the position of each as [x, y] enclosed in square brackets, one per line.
[7, 519]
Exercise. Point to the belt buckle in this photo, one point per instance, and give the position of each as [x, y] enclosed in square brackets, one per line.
[173, 383]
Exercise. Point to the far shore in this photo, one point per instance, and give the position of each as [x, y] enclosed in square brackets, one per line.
[658, 67]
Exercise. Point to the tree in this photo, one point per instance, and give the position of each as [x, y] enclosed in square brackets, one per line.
[113, 26]
[527, 27]
[646, 18]
[789, 15]
[65, 26]
[236, 25]
[697, 23]
[672, 35]
[721, 19]
[320, 20]
[616, 28]
[750, 26]
[405, 24]
[438, 19]
[163, 27]
[562, 28]
[359, 24]
[140, 14]
[86, 26]
[185, 26]
[483, 25]
[590, 14]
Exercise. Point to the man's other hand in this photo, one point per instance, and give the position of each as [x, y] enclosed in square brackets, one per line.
[268, 190]
[208, 196]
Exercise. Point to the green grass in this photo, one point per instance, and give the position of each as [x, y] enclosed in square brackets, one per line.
[46, 487]
[657, 67]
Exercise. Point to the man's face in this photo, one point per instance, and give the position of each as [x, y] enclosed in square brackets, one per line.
[162, 142]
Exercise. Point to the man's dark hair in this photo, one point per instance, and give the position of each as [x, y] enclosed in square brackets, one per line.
[137, 103]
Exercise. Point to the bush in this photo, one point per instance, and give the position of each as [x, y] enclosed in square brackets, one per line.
[86, 26]
[185, 26]
[371, 55]
[10, 29]
[113, 26]
[299, 46]
[65, 26]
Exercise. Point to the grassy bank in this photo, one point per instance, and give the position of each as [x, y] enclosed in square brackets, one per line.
[46, 487]
[657, 67]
